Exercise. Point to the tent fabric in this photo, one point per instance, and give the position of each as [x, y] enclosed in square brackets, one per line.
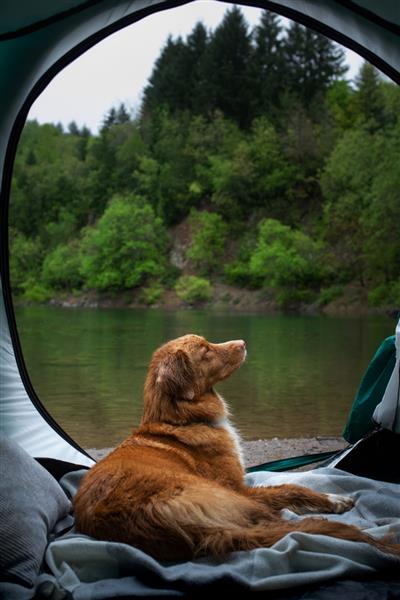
[19, 417]
[370, 31]
[387, 413]
[371, 391]
[17, 17]
[37, 40]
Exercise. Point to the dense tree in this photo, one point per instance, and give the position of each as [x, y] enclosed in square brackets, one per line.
[169, 81]
[125, 248]
[369, 100]
[196, 82]
[257, 175]
[268, 66]
[313, 63]
[208, 242]
[346, 184]
[237, 128]
[48, 183]
[226, 69]
[381, 218]
[287, 261]
[61, 268]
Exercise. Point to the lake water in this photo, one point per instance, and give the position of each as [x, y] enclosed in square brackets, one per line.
[88, 367]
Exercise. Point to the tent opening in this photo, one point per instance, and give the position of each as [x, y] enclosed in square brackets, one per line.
[73, 188]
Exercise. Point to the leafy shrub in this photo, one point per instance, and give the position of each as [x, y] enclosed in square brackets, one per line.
[385, 294]
[62, 267]
[328, 294]
[25, 260]
[238, 273]
[208, 242]
[126, 247]
[36, 292]
[288, 261]
[193, 290]
[151, 294]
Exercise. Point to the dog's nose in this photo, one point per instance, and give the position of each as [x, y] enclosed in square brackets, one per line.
[241, 343]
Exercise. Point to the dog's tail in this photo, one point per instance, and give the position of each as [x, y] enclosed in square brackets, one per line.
[195, 523]
[221, 541]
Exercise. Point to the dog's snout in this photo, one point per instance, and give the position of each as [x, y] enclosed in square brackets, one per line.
[240, 343]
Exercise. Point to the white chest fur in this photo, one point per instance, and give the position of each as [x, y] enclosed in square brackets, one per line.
[234, 434]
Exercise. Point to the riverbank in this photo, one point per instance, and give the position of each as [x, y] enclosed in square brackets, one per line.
[353, 302]
[260, 451]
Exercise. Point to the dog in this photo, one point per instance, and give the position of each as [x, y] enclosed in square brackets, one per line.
[175, 488]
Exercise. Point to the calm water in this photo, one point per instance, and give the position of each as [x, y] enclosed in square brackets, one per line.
[88, 367]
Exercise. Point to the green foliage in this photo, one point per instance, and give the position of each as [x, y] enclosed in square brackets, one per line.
[125, 248]
[152, 293]
[369, 99]
[328, 294]
[360, 182]
[340, 103]
[193, 290]
[237, 273]
[287, 261]
[164, 176]
[242, 73]
[268, 63]
[208, 241]
[381, 217]
[62, 267]
[237, 128]
[257, 174]
[36, 292]
[26, 255]
[313, 62]
[346, 183]
[385, 294]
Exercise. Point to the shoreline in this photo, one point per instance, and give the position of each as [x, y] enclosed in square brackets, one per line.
[264, 450]
[353, 302]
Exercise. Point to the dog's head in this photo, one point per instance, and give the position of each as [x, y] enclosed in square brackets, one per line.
[184, 370]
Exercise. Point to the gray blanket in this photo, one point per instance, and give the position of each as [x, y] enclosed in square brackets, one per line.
[95, 570]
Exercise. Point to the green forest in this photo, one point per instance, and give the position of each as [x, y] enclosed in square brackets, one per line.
[253, 163]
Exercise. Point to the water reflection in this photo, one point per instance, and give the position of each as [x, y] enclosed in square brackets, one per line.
[88, 367]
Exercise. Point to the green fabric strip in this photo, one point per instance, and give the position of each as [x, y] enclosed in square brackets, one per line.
[286, 464]
[371, 391]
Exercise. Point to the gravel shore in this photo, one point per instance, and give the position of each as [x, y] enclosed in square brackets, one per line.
[260, 451]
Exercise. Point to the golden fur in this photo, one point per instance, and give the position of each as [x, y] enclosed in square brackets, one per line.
[175, 487]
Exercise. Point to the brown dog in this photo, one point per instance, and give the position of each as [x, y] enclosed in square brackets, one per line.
[175, 487]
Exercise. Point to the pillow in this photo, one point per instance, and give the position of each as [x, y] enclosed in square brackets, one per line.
[31, 502]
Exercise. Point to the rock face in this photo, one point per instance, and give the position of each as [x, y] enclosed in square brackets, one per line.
[180, 240]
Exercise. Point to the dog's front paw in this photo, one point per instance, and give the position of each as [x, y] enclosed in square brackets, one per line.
[340, 503]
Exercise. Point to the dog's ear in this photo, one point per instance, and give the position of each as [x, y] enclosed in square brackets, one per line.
[175, 376]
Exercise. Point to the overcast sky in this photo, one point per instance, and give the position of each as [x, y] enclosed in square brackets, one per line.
[117, 69]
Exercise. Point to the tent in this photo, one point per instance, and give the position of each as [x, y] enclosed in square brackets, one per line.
[37, 40]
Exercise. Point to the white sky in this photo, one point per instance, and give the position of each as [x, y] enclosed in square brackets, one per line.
[116, 70]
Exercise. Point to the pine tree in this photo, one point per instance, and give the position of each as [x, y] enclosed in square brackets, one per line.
[226, 69]
[168, 83]
[369, 98]
[197, 44]
[109, 119]
[268, 69]
[313, 62]
[122, 115]
[73, 128]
